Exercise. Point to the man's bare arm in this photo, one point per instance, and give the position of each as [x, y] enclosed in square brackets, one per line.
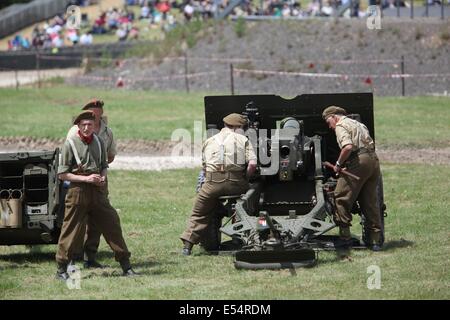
[251, 168]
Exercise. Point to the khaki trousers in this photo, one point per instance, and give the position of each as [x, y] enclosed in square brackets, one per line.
[85, 201]
[348, 190]
[93, 235]
[91, 240]
[207, 200]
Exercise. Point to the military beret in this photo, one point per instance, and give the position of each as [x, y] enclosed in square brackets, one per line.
[332, 110]
[235, 120]
[85, 115]
[95, 103]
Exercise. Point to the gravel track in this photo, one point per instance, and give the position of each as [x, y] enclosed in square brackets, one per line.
[156, 155]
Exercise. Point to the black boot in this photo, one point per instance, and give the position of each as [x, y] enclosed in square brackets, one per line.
[88, 264]
[376, 247]
[127, 269]
[61, 273]
[187, 248]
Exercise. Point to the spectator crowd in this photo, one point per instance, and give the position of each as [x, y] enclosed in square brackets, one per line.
[122, 22]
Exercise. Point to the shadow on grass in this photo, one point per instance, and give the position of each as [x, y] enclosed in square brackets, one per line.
[395, 244]
[21, 258]
[143, 268]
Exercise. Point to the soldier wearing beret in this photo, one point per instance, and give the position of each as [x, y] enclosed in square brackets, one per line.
[92, 238]
[228, 158]
[359, 157]
[83, 163]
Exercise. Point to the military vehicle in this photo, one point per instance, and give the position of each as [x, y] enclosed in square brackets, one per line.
[29, 198]
[285, 216]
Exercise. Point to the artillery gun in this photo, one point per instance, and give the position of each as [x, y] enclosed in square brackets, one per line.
[284, 218]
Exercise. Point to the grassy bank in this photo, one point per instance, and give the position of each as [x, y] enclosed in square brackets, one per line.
[46, 113]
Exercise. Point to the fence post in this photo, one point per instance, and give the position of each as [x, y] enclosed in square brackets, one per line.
[232, 78]
[38, 68]
[17, 79]
[442, 9]
[397, 4]
[426, 8]
[186, 79]
[403, 78]
[412, 9]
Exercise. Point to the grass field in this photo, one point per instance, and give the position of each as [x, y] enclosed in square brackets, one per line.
[154, 207]
[410, 121]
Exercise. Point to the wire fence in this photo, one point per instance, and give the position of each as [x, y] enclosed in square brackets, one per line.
[240, 76]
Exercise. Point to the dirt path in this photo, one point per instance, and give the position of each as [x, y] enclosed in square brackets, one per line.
[156, 155]
[24, 77]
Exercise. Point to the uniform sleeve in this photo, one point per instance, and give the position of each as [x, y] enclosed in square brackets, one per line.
[104, 158]
[72, 131]
[65, 159]
[203, 154]
[112, 151]
[249, 152]
[343, 136]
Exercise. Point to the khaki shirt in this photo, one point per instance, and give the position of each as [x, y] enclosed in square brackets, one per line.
[92, 156]
[237, 152]
[349, 131]
[104, 133]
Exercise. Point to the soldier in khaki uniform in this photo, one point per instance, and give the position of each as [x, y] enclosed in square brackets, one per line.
[92, 238]
[359, 157]
[83, 163]
[227, 157]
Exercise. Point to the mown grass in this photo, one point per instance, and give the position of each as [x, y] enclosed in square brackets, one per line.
[46, 113]
[154, 207]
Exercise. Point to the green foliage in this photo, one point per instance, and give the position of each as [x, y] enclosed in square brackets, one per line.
[173, 42]
[240, 27]
[445, 35]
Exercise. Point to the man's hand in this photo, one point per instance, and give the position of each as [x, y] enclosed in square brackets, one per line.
[96, 179]
[337, 168]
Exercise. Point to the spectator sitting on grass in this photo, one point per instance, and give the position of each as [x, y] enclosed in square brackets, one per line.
[313, 8]
[99, 24]
[86, 39]
[19, 43]
[72, 36]
[188, 11]
[122, 33]
[327, 9]
[134, 33]
[145, 12]
[163, 7]
[170, 23]
[112, 19]
[286, 11]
